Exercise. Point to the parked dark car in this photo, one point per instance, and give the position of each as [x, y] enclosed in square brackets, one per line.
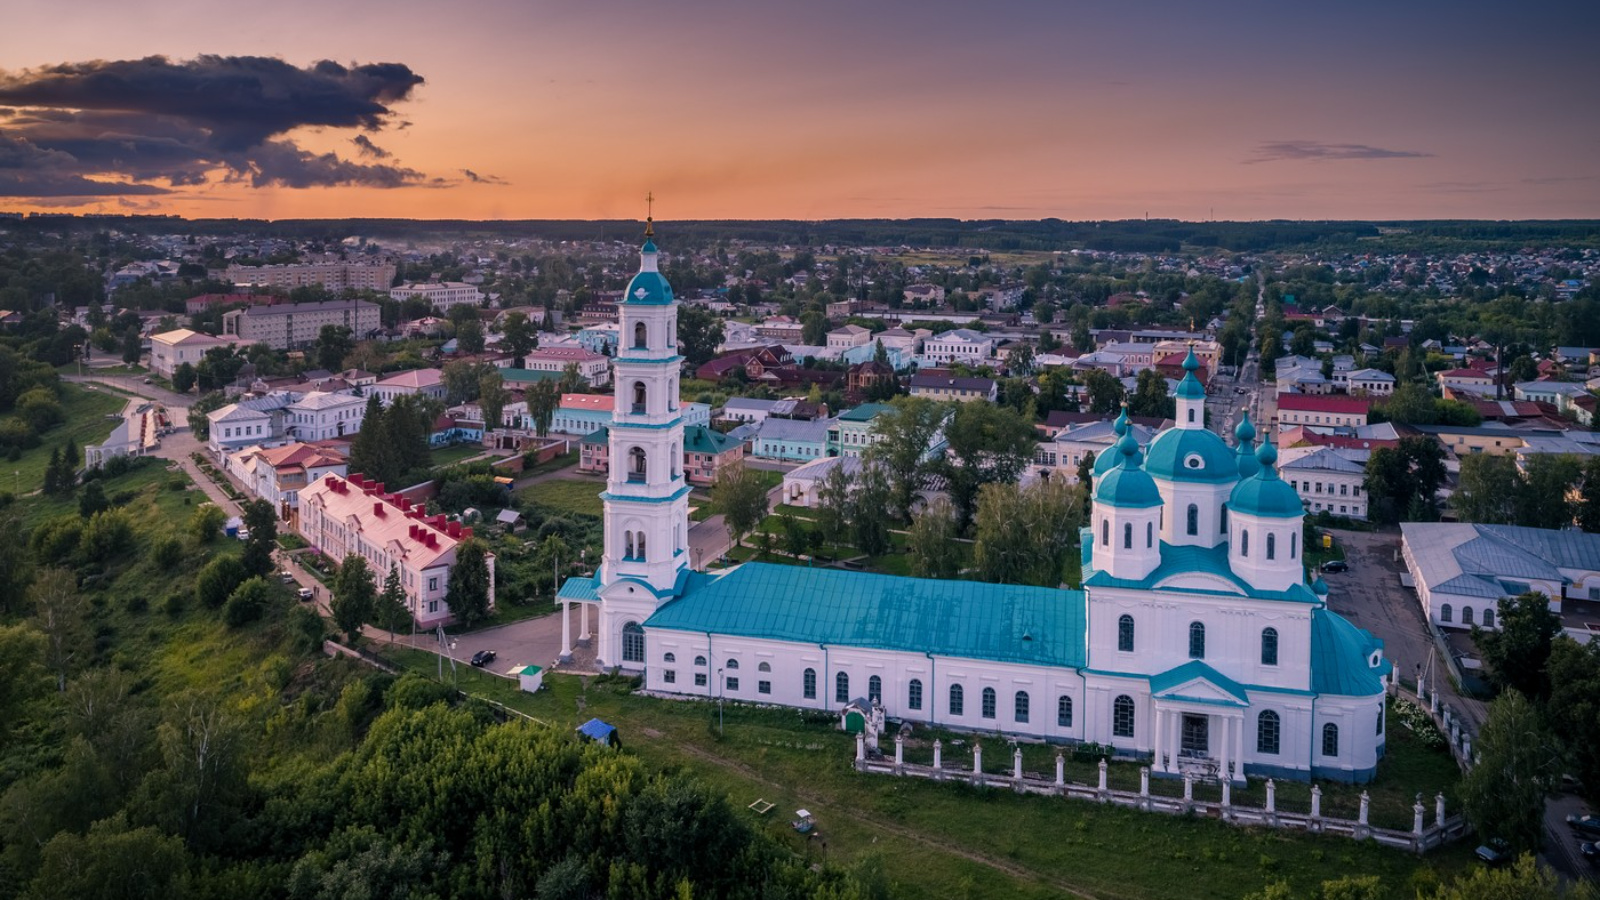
[1335, 565]
[1588, 826]
[1590, 851]
[482, 658]
[1493, 852]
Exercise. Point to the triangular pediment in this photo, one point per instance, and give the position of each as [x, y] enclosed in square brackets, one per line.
[1198, 683]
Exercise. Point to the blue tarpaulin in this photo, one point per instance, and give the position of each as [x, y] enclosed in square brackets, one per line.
[595, 729]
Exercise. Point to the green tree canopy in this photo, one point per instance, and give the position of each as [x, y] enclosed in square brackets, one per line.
[468, 593]
[1504, 793]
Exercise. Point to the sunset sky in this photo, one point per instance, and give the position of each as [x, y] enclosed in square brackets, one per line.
[822, 109]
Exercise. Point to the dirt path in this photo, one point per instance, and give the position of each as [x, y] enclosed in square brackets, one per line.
[1015, 871]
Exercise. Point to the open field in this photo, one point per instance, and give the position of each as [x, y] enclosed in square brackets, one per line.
[449, 456]
[574, 496]
[951, 840]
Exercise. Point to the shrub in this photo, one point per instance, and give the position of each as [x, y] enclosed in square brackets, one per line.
[174, 604]
[167, 553]
[177, 484]
[218, 580]
[248, 602]
[108, 534]
[119, 465]
[206, 523]
[55, 540]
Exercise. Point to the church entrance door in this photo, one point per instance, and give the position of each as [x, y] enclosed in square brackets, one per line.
[1196, 732]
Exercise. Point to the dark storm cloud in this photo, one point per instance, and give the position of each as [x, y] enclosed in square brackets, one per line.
[182, 122]
[1318, 151]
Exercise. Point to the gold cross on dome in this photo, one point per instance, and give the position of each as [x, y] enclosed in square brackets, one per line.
[649, 218]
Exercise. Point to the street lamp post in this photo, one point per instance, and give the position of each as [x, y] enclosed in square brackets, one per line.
[719, 701]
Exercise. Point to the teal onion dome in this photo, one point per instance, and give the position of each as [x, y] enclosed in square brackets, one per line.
[1127, 485]
[1265, 494]
[1246, 433]
[649, 287]
[1190, 387]
[1319, 587]
[1109, 458]
[1195, 455]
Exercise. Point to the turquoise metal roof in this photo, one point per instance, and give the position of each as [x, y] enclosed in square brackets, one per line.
[1245, 431]
[648, 289]
[866, 412]
[1265, 494]
[1127, 485]
[1172, 450]
[1190, 387]
[967, 619]
[1177, 560]
[1340, 657]
[1108, 460]
[700, 439]
[581, 587]
[1172, 679]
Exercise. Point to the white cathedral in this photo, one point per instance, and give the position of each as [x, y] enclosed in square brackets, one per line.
[1196, 642]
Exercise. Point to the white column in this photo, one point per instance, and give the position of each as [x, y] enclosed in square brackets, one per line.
[566, 631]
[1238, 746]
[1061, 771]
[938, 754]
[1157, 738]
[585, 634]
[1226, 740]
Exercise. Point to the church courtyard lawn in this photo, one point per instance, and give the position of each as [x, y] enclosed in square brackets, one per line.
[950, 840]
[582, 497]
[442, 457]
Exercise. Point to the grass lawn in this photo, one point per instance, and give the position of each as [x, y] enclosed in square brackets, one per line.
[86, 409]
[449, 456]
[147, 480]
[948, 840]
[567, 496]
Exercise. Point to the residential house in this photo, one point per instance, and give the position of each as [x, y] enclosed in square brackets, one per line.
[791, 440]
[848, 336]
[746, 409]
[322, 416]
[1327, 479]
[594, 368]
[960, 344]
[441, 295]
[413, 382]
[1370, 382]
[171, 349]
[278, 474]
[939, 386]
[580, 414]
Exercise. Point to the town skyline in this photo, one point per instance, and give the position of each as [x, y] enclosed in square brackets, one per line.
[495, 111]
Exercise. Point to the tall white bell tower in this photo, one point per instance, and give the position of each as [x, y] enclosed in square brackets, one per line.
[646, 497]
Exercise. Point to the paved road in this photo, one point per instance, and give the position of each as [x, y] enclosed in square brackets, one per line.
[1371, 596]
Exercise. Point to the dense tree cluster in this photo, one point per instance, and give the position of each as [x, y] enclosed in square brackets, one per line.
[392, 445]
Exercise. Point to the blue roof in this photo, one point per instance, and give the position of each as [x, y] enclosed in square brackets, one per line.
[1172, 449]
[1178, 560]
[1190, 387]
[580, 587]
[966, 619]
[1340, 654]
[1170, 680]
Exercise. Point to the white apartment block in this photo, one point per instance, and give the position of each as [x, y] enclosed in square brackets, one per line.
[960, 344]
[292, 325]
[848, 336]
[343, 516]
[335, 276]
[171, 349]
[278, 474]
[442, 295]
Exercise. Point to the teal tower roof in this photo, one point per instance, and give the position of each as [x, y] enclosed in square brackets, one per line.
[1127, 486]
[1246, 433]
[1265, 494]
[1108, 460]
[648, 288]
[1190, 387]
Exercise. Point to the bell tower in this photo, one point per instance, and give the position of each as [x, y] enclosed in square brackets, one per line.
[646, 497]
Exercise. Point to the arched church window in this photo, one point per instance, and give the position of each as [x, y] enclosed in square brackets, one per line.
[1193, 520]
[988, 703]
[632, 643]
[1127, 535]
[639, 394]
[841, 687]
[1330, 739]
[628, 550]
[1272, 546]
[640, 547]
[1444, 613]
[1197, 640]
[1019, 706]
[764, 667]
[808, 684]
[1064, 711]
[1294, 544]
[1269, 646]
[1105, 532]
[1244, 542]
[958, 700]
[1488, 618]
[1149, 534]
[1125, 634]
[914, 694]
[875, 689]
[640, 335]
[1267, 731]
[636, 464]
[1122, 716]
[1466, 615]
[1191, 415]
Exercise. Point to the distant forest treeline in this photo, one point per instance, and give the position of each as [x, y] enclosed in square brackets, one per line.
[1131, 235]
